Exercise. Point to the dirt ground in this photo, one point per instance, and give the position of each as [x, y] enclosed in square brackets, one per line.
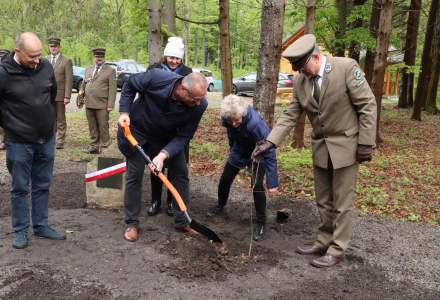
[386, 260]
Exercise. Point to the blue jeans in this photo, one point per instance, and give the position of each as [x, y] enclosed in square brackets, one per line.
[30, 164]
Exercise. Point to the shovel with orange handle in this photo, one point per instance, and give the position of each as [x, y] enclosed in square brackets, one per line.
[196, 226]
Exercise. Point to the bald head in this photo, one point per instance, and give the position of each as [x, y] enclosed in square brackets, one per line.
[195, 82]
[192, 89]
[28, 49]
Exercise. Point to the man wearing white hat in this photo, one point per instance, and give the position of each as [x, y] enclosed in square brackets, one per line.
[342, 111]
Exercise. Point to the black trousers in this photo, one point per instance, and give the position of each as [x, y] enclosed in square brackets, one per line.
[177, 174]
[156, 184]
[226, 180]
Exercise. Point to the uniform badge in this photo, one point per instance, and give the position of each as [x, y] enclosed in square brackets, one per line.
[358, 76]
[327, 68]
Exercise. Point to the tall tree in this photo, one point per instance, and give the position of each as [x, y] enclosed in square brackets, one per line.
[426, 66]
[380, 61]
[412, 31]
[298, 132]
[343, 10]
[370, 57]
[225, 48]
[154, 37]
[310, 16]
[431, 100]
[269, 60]
[168, 18]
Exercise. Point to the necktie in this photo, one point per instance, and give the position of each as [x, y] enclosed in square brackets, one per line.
[316, 88]
[96, 71]
[53, 60]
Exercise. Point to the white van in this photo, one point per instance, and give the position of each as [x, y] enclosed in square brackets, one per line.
[209, 77]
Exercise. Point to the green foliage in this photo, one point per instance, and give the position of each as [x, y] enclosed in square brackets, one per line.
[371, 196]
[292, 159]
[207, 150]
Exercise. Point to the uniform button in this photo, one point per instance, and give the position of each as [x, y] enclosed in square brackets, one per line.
[322, 125]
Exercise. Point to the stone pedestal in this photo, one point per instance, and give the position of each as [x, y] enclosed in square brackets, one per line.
[106, 193]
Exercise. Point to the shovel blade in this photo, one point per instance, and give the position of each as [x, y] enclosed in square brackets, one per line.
[203, 230]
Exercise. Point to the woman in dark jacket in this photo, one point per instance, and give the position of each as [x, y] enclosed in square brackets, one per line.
[172, 62]
[245, 128]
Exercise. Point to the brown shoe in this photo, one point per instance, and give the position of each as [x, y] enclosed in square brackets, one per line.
[310, 250]
[327, 261]
[59, 146]
[131, 234]
[186, 229]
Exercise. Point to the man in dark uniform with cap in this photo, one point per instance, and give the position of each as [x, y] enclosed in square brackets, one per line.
[342, 111]
[100, 95]
[62, 67]
[3, 53]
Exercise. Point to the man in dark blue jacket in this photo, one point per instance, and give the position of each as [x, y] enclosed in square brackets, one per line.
[27, 97]
[163, 119]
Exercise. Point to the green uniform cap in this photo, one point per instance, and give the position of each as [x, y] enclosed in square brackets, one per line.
[98, 51]
[300, 51]
[53, 40]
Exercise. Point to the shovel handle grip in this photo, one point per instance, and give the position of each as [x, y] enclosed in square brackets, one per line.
[129, 136]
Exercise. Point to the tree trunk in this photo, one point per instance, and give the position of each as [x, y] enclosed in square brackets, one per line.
[374, 24]
[225, 48]
[430, 105]
[154, 38]
[196, 47]
[269, 59]
[412, 31]
[186, 12]
[204, 37]
[298, 132]
[168, 17]
[380, 61]
[310, 17]
[426, 66]
[354, 48]
[342, 9]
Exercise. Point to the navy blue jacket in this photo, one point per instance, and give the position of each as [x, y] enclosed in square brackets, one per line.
[242, 141]
[155, 117]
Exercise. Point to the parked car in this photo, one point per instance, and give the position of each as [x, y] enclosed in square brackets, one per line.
[124, 69]
[208, 76]
[247, 83]
[78, 77]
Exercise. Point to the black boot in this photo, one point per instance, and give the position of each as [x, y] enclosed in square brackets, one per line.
[170, 208]
[154, 209]
[216, 211]
[259, 232]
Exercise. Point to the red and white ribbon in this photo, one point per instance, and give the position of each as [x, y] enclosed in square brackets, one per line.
[101, 174]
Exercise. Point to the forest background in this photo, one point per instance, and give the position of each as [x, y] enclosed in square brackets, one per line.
[401, 182]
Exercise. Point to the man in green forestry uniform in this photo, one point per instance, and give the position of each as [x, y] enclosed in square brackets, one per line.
[342, 111]
[62, 67]
[100, 96]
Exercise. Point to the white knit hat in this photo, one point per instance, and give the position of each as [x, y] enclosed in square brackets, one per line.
[174, 47]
